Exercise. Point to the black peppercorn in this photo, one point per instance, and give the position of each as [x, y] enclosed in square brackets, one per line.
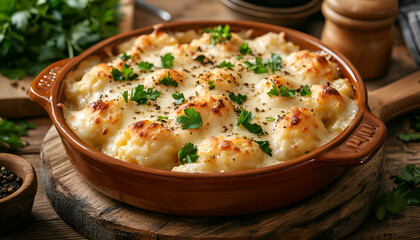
[9, 182]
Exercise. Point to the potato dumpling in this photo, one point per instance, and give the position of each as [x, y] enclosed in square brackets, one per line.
[326, 102]
[296, 133]
[156, 40]
[272, 43]
[221, 154]
[147, 144]
[221, 49]
[224, 81]
[311, 67]
[344, 87]
[98, 122]
[277, 101]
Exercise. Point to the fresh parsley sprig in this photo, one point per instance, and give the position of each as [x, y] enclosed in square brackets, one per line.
[270, 119]
[167, 61]
[187, 154]
[263, 66]
[178, 97]
[406, 193]
[140, 96]
[162, 118]
[126, 74]
[258, 67]
[211, 85]
[11, 132]
[191, 119]
[282, 91]
[265, 147]
[245, 49]
[219, 34]
[227, 65]
[245, 119]
[200, 58]
[124, 56]
[306, 91]
[239, 99]
[145, 66]
[168, 81]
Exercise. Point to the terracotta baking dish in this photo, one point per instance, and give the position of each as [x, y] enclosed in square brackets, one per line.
[213, 194]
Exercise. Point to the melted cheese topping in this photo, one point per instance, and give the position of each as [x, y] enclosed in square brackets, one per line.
[97, 113]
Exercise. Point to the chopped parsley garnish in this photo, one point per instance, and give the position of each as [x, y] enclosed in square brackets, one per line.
[10, 134]
[125, 96]
[211, 85]
[187, 154]
[406, 193]
[199, 58]
[178, 97]
[245, 49]
[167, 61]
[282, 91]
[125, 56]
[162, 118]
[225, 64]
[262, 66]
[145, 66]
[127, 74]
[239, 99]
[140, 96]
[270, 119]
[306, 91]
[412, 136]
[239, 57]
[265, 147]
[219, 34]
[245, 119]
[191, 120]
[168, 81]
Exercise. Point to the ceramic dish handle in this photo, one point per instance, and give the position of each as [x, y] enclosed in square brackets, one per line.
[360, 146]
[40, 90]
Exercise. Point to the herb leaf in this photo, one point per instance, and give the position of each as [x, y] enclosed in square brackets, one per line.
[168, 81]
[187, 154]
[273, 63]
[125, 56]
[239, 99]
[245, 119]
[167, 61]
[127, 74]
[270, 119]
[145, 66]
[282, 91]
[262, 66]
[199, 58]
[191, 120]
[306, 91]
[10, 134]
[125, 96]
[211, 85]
[225, 64]
[140, 96]
[220, 34]
[265, 147]
[244, 49]
[162, 118]
[178, 97]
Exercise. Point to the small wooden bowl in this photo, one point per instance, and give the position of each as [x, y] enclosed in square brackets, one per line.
[16, 208]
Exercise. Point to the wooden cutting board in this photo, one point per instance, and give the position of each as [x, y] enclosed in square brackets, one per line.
[331, 213]
[14, 101]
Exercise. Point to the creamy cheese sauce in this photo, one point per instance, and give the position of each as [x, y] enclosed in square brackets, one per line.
[330, 106]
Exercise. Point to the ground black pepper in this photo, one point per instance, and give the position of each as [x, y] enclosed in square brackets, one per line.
[9, 182]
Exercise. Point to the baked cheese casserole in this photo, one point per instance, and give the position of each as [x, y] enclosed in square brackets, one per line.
[208, 101]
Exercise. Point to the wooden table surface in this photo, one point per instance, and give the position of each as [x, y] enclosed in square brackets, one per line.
[46, 224]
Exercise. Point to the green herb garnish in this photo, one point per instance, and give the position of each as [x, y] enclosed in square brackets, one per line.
[262, 66]
[178, 97]
[191, 120]
[406, 193]
[245, 119]
[168, 81]
[219, 34]
[412, 136]
[187, 154]
[282, 91]
[211, 85]
[258, 67]
[10, 134]
[306, 91]
[36, 33]
[140, 96]
[145, 66]
[167, 61]
[270, 119]
[125, 96]
[239, 57]
[244, 49]
[127, 74]
[199, 58]
[239, 99]
[125, 56]
[162, 118]
[225, 64]
[265, 147]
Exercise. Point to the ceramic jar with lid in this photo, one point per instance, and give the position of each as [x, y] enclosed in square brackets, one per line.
[362, 31]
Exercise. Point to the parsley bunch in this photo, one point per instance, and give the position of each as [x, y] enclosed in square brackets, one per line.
[36, 33]
[406, 193]
[10, 134]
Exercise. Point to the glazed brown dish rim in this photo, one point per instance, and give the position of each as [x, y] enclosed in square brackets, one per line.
[101, 158]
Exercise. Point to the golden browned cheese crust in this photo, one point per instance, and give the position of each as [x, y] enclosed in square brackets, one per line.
[298, 107]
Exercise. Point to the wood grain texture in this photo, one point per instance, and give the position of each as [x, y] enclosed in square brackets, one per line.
[332, 213]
